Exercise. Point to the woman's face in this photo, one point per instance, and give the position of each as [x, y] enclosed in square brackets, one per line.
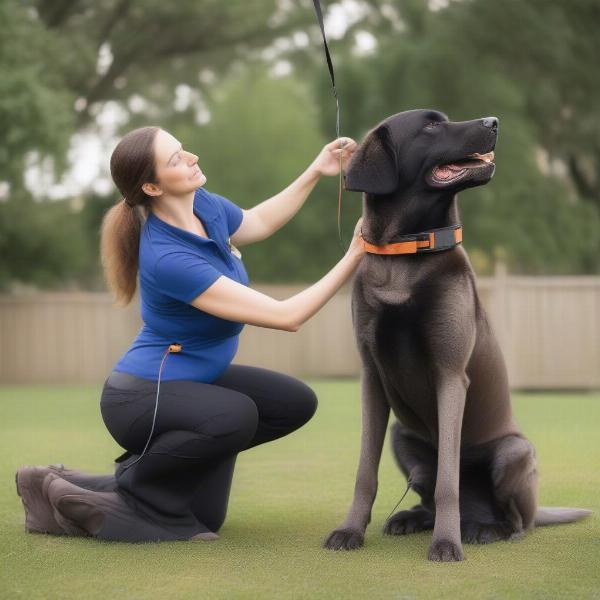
[177, 170]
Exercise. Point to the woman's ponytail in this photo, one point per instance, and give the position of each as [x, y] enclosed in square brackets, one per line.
[119, 248]
[131, 165]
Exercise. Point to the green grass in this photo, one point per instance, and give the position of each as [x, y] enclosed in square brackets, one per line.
[286, 497]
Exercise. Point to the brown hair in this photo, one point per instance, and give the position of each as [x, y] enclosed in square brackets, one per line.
[131, 165]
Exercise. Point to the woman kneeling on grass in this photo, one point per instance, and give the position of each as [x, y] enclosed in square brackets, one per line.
[174, 480]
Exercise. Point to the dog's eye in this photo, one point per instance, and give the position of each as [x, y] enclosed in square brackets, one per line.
[431, 125]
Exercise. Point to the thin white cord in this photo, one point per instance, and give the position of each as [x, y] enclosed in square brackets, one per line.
[154, 417]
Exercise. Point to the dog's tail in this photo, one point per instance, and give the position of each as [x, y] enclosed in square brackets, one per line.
[546, 515]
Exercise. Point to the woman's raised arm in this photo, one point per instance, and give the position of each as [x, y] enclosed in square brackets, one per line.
[269, 216]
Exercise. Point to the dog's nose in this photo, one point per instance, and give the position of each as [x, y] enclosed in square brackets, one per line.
[491, 122]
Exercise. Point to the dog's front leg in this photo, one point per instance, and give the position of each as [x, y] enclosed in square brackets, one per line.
[375, 414]
[451, 395]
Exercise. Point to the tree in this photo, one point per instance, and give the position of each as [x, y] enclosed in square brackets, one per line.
[532, 67]
[42, 244]
[63, 60]
[36, 111]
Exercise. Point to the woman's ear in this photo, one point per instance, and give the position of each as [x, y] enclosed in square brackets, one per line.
[151, 189]
[372, 168]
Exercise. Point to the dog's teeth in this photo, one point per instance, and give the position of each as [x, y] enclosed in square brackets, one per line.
[487, 157]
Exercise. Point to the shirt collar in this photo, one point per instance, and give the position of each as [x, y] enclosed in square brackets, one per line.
[203, 208]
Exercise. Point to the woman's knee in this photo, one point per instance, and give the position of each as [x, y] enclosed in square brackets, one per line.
[311, 402]
[301, 403]
[237, 419]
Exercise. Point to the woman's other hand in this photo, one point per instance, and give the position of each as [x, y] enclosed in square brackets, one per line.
[234, 301]
[357, 247]
[328, 160]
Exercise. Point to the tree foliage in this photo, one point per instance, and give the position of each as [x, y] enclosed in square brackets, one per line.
[36, 110]
[63, 60]
[531, 64]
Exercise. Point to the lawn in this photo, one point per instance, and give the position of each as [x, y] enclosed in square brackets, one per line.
[286, 497]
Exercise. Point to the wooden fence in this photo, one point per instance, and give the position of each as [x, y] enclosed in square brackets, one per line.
[548, 328]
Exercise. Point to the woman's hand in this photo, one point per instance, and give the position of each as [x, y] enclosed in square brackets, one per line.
[233, 301]
[357, 247]
[328, 160]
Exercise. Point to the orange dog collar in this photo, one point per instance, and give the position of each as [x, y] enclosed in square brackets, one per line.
[434, 240]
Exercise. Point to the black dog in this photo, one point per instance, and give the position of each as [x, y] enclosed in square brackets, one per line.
[427, 348]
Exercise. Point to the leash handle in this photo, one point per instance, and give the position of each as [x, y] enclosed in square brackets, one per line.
[319, 13]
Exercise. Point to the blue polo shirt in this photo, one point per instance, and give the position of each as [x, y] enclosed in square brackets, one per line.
[175, 266]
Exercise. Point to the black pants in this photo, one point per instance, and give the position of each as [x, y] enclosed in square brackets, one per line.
[182, 482]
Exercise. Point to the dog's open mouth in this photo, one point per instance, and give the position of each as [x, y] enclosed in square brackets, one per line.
[452, 171]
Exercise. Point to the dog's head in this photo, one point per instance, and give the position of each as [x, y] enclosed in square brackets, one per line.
[422, 149]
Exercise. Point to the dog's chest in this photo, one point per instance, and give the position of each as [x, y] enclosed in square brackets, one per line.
[387, 300]
[391, 322]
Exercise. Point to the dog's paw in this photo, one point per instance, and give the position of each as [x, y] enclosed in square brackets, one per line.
[344, 539]
[517, 536]
[445, 551]
[482, 533]
[408, 521]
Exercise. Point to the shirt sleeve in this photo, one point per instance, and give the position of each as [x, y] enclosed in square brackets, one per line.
[183, 275]
[233, 213]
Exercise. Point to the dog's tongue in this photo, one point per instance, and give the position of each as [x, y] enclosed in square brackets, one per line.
[455, 169]
[447, 171]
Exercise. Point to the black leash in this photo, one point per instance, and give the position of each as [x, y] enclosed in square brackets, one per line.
[317, 4]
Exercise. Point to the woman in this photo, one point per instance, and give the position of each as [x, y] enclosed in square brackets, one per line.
[174, 401]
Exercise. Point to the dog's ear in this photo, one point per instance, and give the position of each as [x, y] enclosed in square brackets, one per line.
[372, 168]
